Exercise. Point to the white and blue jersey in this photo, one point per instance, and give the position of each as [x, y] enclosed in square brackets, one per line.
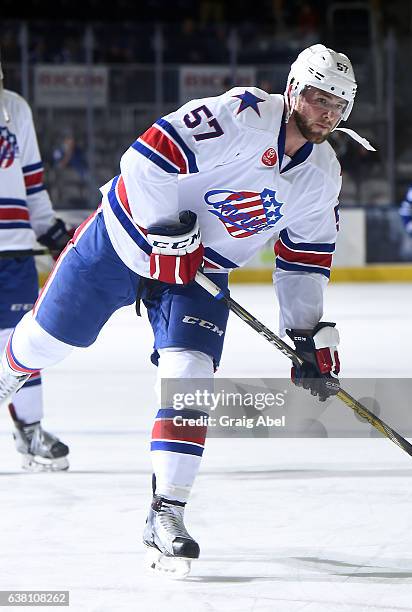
[25, 208]
[224, 159]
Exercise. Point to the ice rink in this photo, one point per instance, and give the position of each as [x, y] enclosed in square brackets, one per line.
[285, 525]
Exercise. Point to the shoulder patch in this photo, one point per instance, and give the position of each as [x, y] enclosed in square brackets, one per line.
[251, 106]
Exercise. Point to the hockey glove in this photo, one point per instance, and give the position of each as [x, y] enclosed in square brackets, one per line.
[177, 251]
[320, 368]
[56, 238]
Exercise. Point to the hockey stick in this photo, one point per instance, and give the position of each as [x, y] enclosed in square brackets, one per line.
[25, 253]
[264, 331]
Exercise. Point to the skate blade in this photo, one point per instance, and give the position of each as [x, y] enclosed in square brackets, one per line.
[174, 568]
[35, 463]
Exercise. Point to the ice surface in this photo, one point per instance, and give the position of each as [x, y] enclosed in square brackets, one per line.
[313, 525]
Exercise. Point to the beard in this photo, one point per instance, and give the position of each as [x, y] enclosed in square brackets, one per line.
[309, 133]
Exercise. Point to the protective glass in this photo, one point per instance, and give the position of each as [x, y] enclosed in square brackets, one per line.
[321, 100]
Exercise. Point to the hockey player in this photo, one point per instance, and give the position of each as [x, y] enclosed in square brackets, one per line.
[209, 183]
[26, 213]
[405, 210]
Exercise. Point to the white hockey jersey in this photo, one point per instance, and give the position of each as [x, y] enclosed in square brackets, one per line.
[25, 208]
[224, 159]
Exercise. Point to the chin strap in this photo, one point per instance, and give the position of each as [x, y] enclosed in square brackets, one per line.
[289, 108]
[365, 143]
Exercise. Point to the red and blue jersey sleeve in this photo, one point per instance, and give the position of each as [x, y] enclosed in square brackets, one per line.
[200, 136]
[166, 148]
[303, 256]
[307, 244]
[302, 273]
[34, 178]
[38, 200]
[305, 248]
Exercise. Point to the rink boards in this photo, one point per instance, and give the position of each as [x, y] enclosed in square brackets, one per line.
[372, 246]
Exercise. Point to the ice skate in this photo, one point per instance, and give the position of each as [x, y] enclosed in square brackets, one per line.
[41, 451]
[170, 548]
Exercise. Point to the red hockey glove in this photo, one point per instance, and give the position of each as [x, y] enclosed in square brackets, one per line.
[56, 238]
[320, 368]
[177, 251]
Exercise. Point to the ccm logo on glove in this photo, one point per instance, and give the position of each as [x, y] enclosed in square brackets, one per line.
[177, 250]
[320, 368]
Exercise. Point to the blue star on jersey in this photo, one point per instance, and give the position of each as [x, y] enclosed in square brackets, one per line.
[244, 213]
[248, 100]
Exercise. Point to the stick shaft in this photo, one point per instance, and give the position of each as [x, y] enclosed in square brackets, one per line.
[287, 350]
[23, 253]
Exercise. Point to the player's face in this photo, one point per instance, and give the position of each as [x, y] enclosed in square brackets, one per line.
[317, 112]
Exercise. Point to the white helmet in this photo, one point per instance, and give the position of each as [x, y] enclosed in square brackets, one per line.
[318, 66]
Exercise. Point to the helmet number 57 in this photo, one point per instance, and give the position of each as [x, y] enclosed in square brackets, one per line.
[342, 67]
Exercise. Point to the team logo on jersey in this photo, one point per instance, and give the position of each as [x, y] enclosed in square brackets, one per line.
[270, 157]
[8, 147]
[244, 213]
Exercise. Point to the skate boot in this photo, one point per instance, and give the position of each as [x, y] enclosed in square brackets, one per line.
[170, 547]
[41, 450]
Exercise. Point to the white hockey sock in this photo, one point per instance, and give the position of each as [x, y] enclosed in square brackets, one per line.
[28, 402]
[176, 452]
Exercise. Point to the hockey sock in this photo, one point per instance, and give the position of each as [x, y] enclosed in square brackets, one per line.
[176, 451]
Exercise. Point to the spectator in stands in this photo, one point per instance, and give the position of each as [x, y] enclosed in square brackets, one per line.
[68, 154]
